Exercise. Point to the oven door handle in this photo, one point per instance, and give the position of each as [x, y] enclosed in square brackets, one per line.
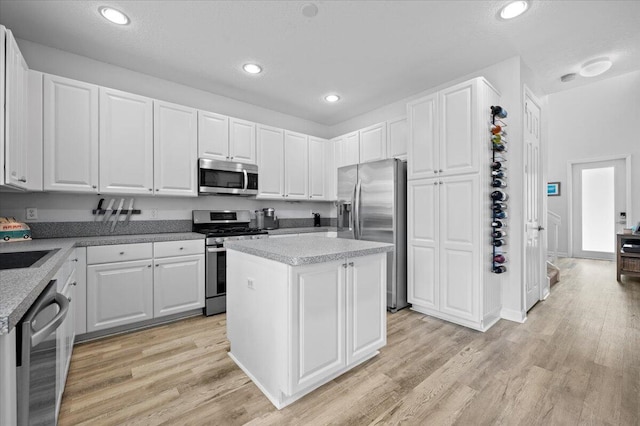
[216, 250]
[246, 179]
[38, 336]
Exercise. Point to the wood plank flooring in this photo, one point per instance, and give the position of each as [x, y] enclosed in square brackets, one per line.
[576, 360]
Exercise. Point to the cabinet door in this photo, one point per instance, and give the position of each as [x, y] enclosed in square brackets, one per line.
[175, 150]
[366, 306]
[178, 284]
[126, 143]
[458, 152]
[330, 173]
[34, 131]
[422, 239]
[459, 243]
[422, 158]
[318, 321]
[317, 169]
[339, 146]
[119, 293]
[270, 162]
[70, 152]
[213, 136]
[15, 165]
[242, 141]
[296, 157]
[351, 149]
[397, 138]
[373, 143]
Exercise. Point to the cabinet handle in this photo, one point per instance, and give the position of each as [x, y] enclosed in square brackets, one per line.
[150, 189]
[94, 186]
[75, 260]
[350, 263]
[74, 283]
[23, 179]
[121, 253]
[344, 265]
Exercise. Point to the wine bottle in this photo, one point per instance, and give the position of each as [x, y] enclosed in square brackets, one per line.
[499, 196]
[497, 234]
[498, 224]
[496, 165]
[498, 207]
[498, 183]
[499, 147]
[498, 139]
[498, 111]
[496, 129]
[500, 215]
[499, 243]
[500, 269]
[498, 173]
[499, 258]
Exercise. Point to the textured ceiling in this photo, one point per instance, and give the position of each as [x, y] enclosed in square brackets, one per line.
[370, 52]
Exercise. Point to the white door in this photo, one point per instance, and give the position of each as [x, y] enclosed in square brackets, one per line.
[70, 149]
[317, 169]
[423, 148]
[126, 143]
[373, 143]
[175, 155]
[296, 158]
[599, 206]
[178, 284]
[242, 141]
[534, 260]
[422, 239]
[366, 306]
[119, 293]
[270, 162]
[458, 117]
[213, 136]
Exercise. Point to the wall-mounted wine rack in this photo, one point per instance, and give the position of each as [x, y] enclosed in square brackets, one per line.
[498, 195]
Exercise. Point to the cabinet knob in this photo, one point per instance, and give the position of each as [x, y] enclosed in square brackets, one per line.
[435, 171]
[148, 266]
[94, 186]
[181, 248]
[74, 283]
[121, 253]
[344, 265]
[350, 263]
[150, 189]
[75, 260]
[23, 179]
[440, 171]
[157, 189]
[157, 265]
[435, 183]
[69, 299]
[440, 182]
[231, 158]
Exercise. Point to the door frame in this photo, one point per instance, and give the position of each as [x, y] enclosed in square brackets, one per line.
[570, 164]
[542, 206]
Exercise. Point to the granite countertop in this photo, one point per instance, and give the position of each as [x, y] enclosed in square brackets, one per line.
[19, 288]
[304, 230]
[305, 251]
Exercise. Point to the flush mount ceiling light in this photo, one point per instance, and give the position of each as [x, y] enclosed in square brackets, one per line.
[513, 9]
[332, 98]
[114, 15]
[252, 68]
[309, 10]
[595, 67]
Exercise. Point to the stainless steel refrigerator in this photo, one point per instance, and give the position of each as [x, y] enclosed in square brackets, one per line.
[372, 206]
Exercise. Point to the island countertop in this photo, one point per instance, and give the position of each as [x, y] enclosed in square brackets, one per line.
[306, 251]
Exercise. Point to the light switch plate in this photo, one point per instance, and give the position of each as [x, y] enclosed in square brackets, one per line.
[250, 283]
[31, 213]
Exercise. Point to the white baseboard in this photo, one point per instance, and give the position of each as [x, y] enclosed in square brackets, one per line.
[512, 315]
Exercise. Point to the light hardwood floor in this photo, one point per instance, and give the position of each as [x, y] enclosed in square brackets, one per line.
[576, 360]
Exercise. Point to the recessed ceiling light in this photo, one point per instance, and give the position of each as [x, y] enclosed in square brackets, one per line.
[595, 67]
[252, 68]
[309, 10]
[114, 15]
[513, 9]
[332, 98]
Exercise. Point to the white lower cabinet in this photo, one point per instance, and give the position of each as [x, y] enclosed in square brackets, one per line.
[129, 283]
[119, 293]
[178, 284]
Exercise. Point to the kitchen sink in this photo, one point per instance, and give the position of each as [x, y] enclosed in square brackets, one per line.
[25, 259]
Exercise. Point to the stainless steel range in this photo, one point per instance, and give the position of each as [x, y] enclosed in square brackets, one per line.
[220, 226]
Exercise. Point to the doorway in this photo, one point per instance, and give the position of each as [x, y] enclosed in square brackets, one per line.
[599, 204]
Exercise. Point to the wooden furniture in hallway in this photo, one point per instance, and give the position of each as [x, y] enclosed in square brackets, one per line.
[576, 360]
[627, 263]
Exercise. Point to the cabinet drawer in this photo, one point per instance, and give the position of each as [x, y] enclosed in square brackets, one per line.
[178, 248]
[119, 253]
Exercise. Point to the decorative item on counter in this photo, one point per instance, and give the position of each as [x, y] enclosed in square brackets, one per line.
[259, 219]
[11, 230]
[498, 180]
[316, 219]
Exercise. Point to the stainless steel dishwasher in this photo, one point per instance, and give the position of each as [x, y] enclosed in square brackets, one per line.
[37, 367]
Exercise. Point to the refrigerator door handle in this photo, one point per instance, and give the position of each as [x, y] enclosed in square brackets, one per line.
[357, 210]
[352, 213]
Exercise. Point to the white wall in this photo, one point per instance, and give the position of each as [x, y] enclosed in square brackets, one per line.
[597, 120]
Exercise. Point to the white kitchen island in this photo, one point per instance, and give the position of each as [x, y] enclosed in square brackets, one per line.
[302, 311]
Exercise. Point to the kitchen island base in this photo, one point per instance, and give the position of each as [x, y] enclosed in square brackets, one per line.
[294, 328]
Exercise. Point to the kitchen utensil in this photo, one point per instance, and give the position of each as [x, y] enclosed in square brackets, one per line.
[97, 215]
[117, 215]
[129, 212]
[316, 219]
[259, 219]
[109, 211]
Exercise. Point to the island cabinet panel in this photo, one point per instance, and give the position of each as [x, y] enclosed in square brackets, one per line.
[318, 296]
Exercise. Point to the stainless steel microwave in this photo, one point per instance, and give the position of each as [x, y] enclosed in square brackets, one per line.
[226, 177]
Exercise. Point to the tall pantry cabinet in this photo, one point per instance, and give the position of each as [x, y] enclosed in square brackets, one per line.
[449, 251]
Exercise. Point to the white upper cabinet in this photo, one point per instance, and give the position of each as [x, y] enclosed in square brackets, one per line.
[175, 150]
[318, 158]
[34, 131]
[351, 149]
[397, 138]
[373, 143]
[213, 136]
[270, 162]
[70, 135]
[126, 143]
[242, 141]
[16, 99]
[445, 132]
[296, 157]
[423, 138]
